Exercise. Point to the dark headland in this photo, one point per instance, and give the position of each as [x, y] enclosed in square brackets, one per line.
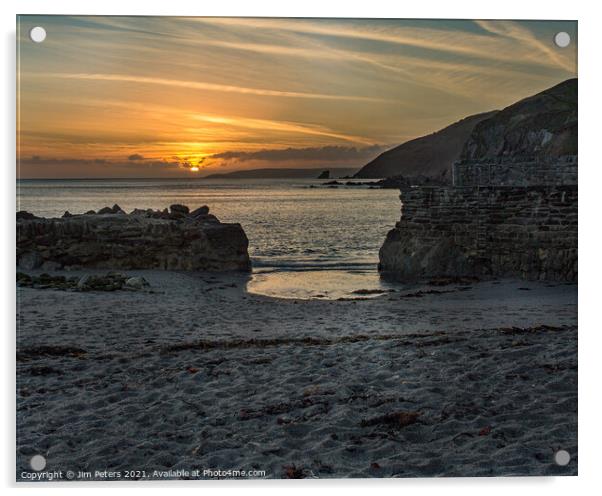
[283, 173]
[431, 155]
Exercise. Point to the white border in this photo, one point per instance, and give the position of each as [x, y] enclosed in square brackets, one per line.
[590, 115]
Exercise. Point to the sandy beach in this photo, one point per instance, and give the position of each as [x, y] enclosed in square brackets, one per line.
[465, 379]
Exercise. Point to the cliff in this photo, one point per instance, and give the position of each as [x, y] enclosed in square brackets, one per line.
[144, 239]
[543, 125]
[431, 155]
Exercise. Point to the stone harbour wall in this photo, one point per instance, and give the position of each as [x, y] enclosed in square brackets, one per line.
[526, 232]
[521, 171]
[145, 239]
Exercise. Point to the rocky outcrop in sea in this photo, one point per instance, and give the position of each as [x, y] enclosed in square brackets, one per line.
[174, 239]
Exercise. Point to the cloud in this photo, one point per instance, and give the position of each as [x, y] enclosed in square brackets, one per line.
[446, 41]
[201, 85]
[136, 156]
[53, 164]
[280, 126]
[322, 154]
[514, 31]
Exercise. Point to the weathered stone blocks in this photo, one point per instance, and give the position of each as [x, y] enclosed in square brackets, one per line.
[144, 239]
[527, 232]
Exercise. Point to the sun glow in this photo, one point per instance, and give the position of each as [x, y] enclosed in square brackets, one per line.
[194, 168]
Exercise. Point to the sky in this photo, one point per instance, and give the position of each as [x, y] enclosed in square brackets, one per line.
[190, 96]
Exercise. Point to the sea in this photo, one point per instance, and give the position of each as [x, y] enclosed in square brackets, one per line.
[306, 240]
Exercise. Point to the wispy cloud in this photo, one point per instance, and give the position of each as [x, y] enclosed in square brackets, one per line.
[283, 126]
[541, 51]
[200, 85]
[441, 40]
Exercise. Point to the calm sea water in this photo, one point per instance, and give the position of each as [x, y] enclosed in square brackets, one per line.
[303, 241]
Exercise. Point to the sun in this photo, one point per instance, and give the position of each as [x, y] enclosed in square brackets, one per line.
[194, 168]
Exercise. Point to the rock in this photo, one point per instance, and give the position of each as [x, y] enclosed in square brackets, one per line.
[177, 208]
[67, 214]
[116, 275]
[406, 182]
[45, 281]
[324, 175]
[30, 260]
[140, 211]
[158, 240]
[23, 279]
[90, 212]
[136, 283]
[83, 281]
[201, 211]
[111, 281]
[45, 277]
[117, 209]
[23, 215]
[51, 266]
[208, 218]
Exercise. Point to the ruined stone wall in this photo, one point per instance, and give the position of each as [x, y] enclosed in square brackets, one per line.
[492, 231]
[145, 240]
[516, 171]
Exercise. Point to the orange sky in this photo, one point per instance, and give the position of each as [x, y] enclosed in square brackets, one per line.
[157, 96]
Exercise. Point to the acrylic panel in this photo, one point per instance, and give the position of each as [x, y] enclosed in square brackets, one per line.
[295, 248]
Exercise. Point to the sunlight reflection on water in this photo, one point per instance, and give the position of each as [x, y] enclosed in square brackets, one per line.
[324, 284]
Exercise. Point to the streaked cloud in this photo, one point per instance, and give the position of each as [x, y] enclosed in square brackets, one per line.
[288, 127]
[436, 39]
[200, 85]
[76, 167]
[514, 31]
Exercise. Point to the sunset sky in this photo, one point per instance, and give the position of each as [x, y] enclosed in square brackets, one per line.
[163, 96]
